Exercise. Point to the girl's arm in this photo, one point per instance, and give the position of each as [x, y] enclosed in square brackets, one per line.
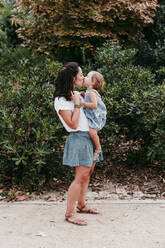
[70, 117]
[93, 103]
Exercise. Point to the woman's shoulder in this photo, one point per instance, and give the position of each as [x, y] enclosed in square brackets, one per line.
[62, 103]
[61, 99]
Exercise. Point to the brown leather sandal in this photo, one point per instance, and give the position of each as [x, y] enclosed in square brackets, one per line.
[72, 218]
[87, 210]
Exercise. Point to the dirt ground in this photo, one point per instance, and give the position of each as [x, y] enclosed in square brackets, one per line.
[111, 183]
[131, 205]
[120, 225]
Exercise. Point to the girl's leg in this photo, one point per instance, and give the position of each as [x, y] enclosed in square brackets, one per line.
[95, 138]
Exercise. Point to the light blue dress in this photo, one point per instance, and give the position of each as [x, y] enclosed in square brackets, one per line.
[96, 117]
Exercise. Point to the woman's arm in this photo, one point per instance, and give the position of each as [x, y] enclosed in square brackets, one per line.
[93, 103]
[70, 117]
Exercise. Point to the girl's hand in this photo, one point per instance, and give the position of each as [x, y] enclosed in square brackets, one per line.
[75, 96]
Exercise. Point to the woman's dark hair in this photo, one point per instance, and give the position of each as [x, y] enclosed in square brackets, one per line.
[64, 81]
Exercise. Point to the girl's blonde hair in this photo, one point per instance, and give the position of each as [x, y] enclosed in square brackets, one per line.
[98, 80]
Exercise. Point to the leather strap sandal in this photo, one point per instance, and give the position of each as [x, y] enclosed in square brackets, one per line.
[87, 210]
[72, 218]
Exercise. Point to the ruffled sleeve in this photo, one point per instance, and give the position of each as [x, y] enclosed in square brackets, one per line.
[62, 104]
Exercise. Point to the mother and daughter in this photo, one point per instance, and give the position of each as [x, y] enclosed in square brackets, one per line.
[82, 117]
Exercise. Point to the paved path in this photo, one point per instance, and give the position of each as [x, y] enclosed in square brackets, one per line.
[122, 224]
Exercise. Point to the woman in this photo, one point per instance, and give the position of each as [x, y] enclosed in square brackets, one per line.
[78, 151]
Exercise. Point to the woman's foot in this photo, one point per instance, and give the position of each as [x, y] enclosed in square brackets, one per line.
[96, 154]
[87, 210]
[74, 219]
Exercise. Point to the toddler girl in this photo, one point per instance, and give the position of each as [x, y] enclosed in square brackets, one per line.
[94, 108]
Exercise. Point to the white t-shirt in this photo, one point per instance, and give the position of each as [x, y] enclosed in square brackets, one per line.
[60, 103]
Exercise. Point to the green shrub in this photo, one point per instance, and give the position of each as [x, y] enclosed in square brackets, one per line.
[32, 137]
[135, 109]
[31, 141]
[6, 12]
[160, 75]
[156, 148]
[151, 47]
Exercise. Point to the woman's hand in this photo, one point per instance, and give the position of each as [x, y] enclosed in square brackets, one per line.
[75, 96]
[81, 103]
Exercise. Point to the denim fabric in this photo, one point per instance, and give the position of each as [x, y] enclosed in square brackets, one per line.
[79, 150]
[96, 117]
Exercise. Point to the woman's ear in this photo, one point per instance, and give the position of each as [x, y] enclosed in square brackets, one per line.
[74, 80]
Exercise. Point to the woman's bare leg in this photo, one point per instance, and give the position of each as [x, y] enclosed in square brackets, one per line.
[82, 197]
[82, 176]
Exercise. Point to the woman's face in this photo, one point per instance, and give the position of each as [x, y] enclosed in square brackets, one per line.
[79, 79]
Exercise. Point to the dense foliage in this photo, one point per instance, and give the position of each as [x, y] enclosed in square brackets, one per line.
[135, 108]
[32, 136]
[46, 25]
[151, 48]
[8, 33]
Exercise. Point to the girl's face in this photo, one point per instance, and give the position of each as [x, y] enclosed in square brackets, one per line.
[79, 79]
[88, 80]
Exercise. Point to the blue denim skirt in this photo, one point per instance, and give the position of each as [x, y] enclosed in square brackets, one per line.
[79, 149]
